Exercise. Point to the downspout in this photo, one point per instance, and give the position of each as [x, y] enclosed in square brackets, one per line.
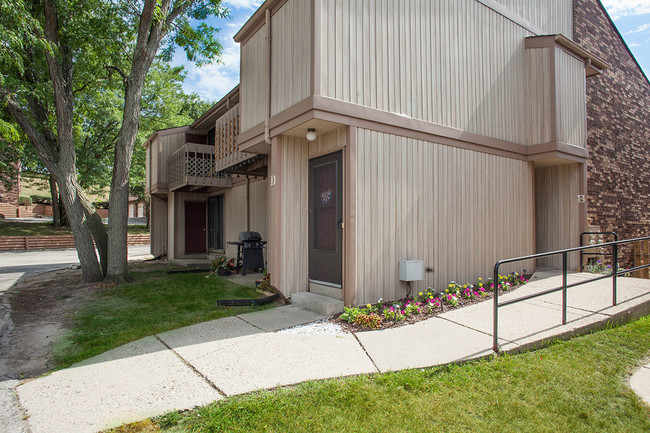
[267, 121]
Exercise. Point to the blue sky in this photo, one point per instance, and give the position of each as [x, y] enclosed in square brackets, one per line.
[211, 82]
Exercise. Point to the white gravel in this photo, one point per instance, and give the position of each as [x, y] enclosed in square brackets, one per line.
[321, 327]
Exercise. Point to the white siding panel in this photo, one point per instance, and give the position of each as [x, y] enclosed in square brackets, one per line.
[571, 99]
[457, 210]
[291, 51]
[451, 62]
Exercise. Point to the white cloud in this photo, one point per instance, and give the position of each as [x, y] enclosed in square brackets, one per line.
[639, 29]
[243, 4]
[215, 80]
[621, 8]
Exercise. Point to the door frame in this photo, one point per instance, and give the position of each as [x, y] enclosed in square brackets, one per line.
[341, 187]
[205, 225]
[348, 173]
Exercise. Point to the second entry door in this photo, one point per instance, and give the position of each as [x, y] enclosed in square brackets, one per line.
[325, 220]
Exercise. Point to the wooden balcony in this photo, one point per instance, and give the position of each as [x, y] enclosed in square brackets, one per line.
[194, 166]
[225, 141]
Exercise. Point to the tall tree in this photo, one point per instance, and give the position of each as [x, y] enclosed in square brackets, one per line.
[55, 50]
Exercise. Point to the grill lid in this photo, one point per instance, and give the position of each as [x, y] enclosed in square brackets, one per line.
[250, 236]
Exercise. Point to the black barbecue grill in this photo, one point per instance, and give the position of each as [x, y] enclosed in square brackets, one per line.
[249, 251]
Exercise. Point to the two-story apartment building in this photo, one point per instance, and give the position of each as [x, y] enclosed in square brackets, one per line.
[365, 132]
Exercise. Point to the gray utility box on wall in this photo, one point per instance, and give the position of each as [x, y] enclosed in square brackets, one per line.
[411, 270]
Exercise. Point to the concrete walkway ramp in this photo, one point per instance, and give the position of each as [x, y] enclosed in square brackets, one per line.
[202, 363]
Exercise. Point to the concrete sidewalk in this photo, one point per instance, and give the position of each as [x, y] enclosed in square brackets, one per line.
[199, 364]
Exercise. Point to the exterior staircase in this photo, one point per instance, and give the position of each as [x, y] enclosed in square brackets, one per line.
[12, 211]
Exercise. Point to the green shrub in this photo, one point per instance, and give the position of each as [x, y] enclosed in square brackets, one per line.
[24, 201]
[41, 199]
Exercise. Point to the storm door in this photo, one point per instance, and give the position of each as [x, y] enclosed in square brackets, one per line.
[325, 220]
[194, 227]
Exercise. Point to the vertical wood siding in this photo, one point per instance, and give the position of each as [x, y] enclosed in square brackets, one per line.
[538, 96]
[451, 62]
[178, 228]
[291, 51]
[253, 81]
[293, 221]
[557, 212]
[259, 204]
[571, 99]
[234, 215]
[552, 16]
[329, 142]
[457, 210]
[234, 209]
[158, 226]
[163, 147]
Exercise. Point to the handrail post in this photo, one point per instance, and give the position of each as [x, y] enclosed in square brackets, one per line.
[564, 291]
[614, 273]
[495, 322]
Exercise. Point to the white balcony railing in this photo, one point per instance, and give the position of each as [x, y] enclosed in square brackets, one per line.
[194, 165]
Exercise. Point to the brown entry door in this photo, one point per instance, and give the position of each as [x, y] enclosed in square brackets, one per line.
[325, 220]
[195, 238]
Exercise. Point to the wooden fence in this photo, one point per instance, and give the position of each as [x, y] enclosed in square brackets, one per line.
[54, 242]
[642, 257]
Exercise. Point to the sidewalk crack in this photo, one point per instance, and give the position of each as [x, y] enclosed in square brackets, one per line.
[477, 330]
[191, 367]
[366, 352]
[252, 324]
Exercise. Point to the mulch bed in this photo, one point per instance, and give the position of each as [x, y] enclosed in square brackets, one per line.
[414, 318]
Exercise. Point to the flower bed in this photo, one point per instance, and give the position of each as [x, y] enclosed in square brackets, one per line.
[427, 304]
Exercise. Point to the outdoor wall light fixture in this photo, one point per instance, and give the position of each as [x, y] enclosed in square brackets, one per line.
[311, 134]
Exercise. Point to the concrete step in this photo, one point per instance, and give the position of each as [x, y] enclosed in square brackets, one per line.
[317, 303]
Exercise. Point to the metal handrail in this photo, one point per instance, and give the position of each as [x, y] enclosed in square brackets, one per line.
[615, 273]
[594, 245]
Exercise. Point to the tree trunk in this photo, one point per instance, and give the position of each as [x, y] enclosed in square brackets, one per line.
[81, 229]
[119, 199]
[56, 212]
[97, 228]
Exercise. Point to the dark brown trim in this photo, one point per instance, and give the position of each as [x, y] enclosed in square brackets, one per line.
[347, 114]
[592, 61]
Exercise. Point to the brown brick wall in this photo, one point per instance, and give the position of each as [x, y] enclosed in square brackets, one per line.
[10, 195]
[618, 119]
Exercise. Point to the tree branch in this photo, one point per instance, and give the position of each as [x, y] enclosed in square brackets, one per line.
[119, 71]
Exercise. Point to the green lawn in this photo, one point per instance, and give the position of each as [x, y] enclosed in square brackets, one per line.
[572, 386]
[153, 302]
[11, 228]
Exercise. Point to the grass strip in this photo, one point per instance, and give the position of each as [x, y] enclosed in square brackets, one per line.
[11, 228]
[571, 386]
[153, 302]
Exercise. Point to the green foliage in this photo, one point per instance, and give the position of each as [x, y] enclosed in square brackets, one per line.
[222, 262]
[99, 36]
[41, 199]
[13, 228]
[154, 302]
[599, 267]
[24, 201]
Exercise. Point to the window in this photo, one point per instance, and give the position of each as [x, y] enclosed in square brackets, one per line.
[215, 223]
